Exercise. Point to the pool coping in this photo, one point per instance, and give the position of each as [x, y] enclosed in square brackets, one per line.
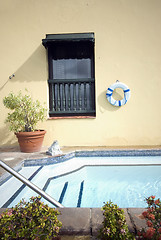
[94, 153]
[88, 221]
[48, 160]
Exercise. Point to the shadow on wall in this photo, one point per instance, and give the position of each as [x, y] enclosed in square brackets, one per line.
[33, 69]
[7, 138]
[104, 104]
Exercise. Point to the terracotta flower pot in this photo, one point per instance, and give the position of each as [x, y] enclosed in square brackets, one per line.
[30, 141]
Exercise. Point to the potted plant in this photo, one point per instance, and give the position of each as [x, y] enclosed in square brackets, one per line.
[30, 220]
[25, 115]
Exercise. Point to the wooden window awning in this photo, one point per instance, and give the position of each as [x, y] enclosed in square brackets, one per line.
[72, 37]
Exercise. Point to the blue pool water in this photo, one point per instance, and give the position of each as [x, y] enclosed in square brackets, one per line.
[124, 185]
[89, 182]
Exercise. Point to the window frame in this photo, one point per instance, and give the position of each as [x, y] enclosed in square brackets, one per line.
[49, 43]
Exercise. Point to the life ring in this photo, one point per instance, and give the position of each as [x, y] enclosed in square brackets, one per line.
[110, 90]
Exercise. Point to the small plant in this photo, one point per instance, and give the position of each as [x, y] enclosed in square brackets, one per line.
[30, 220]
[153, 220]
[114, 224]
[26, 112]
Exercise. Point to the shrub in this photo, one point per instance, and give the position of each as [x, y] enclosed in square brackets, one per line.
[26, 113]
[153, 220]
[114, 224]
[30, 220]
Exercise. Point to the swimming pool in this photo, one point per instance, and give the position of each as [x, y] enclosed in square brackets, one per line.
[90, 181]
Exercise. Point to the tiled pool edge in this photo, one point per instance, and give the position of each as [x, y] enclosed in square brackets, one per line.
[88, 153]
[46, 160]
[93, 153]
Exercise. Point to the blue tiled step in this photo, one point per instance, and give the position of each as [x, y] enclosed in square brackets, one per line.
[22, 186]
[68, 193]
[80, 194]
[63, 192]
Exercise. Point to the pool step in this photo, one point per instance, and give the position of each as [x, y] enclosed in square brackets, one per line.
[63, 192]
[12, 198]
[67, 194]
[80, 194]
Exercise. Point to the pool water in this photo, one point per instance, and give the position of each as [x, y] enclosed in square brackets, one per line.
[125, 185]
[90, 183]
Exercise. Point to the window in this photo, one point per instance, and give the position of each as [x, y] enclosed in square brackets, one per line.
[71, 74]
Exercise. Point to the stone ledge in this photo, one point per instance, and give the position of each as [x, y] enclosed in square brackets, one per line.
[88, 221]
[75, 221]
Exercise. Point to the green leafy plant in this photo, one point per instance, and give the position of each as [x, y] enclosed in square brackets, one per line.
[26, 112]
[153, 220]
[30, 220]
[114, 224]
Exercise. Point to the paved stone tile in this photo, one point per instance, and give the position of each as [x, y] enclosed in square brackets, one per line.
[136, 217]
[96, 220]
[75, 221]
[76, 237]
[130, 224]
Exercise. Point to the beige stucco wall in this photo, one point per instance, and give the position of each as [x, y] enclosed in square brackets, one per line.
[127, 48]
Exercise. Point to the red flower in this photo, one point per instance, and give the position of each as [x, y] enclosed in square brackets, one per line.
[150, 209]
[149, 223]
[144, 235]
[159, 230]
[153, 197]
[139, 233]
[144, 214]
[151, 216]
[150, 232]
[9, 213]
[157, 201]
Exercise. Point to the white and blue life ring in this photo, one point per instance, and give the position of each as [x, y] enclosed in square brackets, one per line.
[110, 90]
